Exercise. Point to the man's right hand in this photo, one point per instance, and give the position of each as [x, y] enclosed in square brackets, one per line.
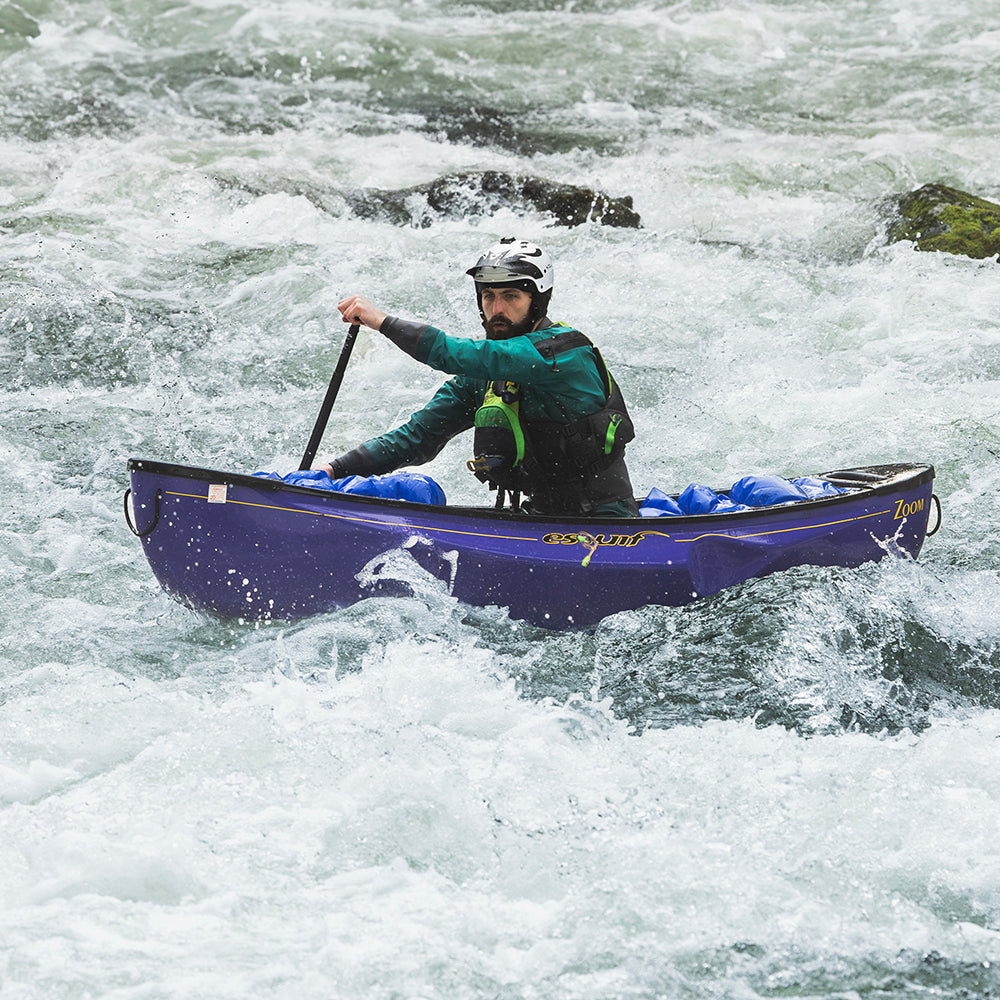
[355, 309]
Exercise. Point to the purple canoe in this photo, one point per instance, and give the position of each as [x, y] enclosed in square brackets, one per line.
[246, 547]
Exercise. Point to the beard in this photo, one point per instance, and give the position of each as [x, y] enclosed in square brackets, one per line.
[500, 328]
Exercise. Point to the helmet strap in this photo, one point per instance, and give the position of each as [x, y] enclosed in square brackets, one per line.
[539, 304]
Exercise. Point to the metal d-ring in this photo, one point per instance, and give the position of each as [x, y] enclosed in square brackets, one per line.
[156, 515]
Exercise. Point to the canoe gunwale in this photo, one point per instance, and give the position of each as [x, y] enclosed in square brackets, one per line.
[869, 481]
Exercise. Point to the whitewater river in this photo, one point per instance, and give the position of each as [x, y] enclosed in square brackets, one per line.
[791, 789]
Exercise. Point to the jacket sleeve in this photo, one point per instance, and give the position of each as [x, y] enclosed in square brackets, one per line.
[451, 410]
[516, 359]
[559, 388]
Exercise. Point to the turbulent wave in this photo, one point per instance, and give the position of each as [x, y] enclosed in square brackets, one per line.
[817, 651]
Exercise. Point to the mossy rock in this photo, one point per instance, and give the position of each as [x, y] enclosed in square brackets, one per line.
[937, 217]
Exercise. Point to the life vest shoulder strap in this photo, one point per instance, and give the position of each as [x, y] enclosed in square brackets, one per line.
[565, 340]
[568, 340]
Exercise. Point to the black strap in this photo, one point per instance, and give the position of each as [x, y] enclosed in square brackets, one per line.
[567, 341]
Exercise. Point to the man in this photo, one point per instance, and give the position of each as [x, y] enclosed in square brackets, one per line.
[550, 421]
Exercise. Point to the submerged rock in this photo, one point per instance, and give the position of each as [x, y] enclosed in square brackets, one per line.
[937, 217]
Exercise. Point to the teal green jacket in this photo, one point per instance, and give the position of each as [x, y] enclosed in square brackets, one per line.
[562, 388]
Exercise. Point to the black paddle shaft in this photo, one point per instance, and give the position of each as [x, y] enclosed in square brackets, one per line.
[331, 395]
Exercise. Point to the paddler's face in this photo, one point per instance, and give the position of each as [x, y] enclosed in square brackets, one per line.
[506, 311]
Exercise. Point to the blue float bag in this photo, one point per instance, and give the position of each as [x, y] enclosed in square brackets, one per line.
[695, 499]
[702, 500]
[766, 491]
[412, 486]
[750, 491]
[814, 487]
[659, 504]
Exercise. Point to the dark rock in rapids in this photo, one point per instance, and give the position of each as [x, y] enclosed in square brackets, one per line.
[937, 217]
[461, 195]
[487, 192]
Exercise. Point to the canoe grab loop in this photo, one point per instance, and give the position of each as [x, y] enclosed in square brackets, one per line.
[156, 515]
[937, 506]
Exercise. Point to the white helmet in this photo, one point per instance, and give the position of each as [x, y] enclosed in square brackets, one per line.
[519, 263]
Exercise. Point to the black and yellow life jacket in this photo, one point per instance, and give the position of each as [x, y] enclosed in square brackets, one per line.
[521, 455]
